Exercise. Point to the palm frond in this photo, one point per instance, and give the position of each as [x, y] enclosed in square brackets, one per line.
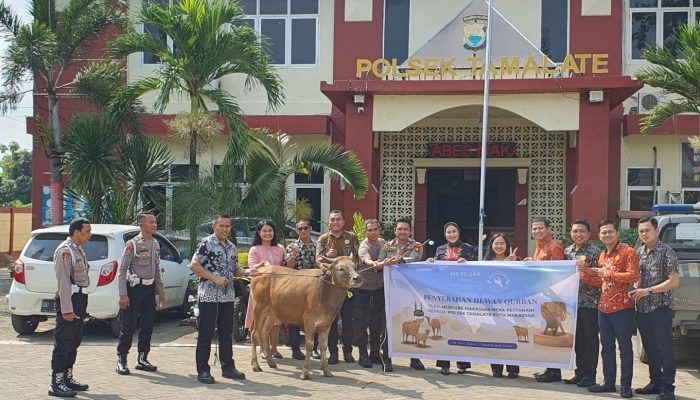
[9, 20]
[339, 163]
[81, 21]
[680, 76]
[663, 112]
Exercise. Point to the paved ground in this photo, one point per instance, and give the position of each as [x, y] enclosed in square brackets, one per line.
[25, 371]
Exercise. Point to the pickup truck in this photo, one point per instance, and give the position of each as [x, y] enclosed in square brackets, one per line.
[679, 227]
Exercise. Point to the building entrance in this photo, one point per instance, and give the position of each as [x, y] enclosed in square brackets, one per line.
[453, 195]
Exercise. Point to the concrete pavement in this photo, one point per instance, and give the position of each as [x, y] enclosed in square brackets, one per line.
[25, 373]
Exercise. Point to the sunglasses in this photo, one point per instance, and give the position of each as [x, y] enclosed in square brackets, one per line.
[302, 228]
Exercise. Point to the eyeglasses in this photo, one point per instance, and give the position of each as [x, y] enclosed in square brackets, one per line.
[302, 228]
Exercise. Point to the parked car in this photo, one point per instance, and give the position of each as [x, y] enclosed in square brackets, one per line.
[242, 233]
[31, 296]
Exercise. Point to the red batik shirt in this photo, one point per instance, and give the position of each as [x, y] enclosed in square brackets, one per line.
[548, 249]
[621, 270]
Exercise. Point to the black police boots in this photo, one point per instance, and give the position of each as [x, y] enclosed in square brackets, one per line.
[72, 383]
[122, 368]
[143, 364]
[58, 387]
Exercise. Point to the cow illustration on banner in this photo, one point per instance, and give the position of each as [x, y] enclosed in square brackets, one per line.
[518, 313]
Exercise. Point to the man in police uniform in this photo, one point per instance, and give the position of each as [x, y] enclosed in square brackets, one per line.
[402, 249]
[71, 267]
[139, 280]
[336, 243]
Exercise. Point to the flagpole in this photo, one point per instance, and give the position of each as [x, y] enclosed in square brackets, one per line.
[485, 129]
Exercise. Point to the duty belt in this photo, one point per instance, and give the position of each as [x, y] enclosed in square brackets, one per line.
[146, 282]
[77, 289]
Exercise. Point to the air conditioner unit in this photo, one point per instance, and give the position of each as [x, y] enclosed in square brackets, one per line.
[647, 101]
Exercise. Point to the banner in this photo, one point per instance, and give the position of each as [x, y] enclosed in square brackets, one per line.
[499, 312]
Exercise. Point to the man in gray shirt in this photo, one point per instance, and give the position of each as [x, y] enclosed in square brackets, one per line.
[368, 308]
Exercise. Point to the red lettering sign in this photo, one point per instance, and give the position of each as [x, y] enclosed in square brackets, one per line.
[472, 150]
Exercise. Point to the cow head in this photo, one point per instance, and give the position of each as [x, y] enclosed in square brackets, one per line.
[342, 272]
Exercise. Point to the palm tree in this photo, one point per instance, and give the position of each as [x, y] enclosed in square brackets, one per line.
[108, 162]
[45, 50]
[272, 158]
[208, 44]
[675, 70]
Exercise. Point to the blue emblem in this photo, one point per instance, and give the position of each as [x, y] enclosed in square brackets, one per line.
[474, 32]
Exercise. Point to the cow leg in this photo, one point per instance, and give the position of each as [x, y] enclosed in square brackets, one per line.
[309, 330]
[323, 346]
[254, 333]
[264, 336]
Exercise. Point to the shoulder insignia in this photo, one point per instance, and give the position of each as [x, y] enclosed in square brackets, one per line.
[129, 248]
[65, 255]
[417, 247]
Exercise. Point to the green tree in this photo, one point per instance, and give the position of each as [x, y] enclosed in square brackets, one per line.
[46, 50]
[108, 162]
[15, 175]
[208, 43]
[675, 70]
[272, 158]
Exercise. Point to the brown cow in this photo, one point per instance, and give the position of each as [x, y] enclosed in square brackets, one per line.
[522, 333]
[310, 298]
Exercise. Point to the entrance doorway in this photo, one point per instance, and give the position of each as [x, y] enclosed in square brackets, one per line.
[453, 195]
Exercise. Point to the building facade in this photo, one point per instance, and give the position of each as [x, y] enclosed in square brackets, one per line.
[400, 83]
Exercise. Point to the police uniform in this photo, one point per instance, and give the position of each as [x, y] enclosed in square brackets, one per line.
[345, 245]
[71, 268]
[139, 278]
[411, 251]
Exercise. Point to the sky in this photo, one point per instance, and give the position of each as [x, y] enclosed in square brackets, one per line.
[13, 124]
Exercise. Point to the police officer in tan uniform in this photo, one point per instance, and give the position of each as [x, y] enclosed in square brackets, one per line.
[139, 280]
[71, 267]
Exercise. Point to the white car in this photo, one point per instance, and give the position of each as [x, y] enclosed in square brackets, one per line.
[31, 296]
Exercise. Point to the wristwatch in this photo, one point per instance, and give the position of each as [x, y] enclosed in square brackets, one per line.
[650, 290]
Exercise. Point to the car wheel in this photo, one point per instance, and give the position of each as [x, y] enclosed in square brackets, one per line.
[114, 327]
[24, 325]
[240, 332]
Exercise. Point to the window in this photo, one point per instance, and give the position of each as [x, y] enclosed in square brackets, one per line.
[653, 22]
[149, 58]
[555, 29]
[640, 188]
[310, 188]
[289, 27]
[43, 246]
[690, 167]
[396, 24]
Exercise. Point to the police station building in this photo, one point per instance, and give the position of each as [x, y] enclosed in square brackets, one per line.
[400, 83]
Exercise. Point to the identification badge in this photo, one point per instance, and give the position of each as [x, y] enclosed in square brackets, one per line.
[144, 254]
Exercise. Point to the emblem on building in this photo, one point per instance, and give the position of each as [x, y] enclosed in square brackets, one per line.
[474, 32]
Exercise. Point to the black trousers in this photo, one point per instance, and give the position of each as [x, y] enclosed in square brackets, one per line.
[657, 339]
[294, 337]
[142, 302]
[68, 335]
[368, 312]
[460, 364]
[498, 368]
[346, 312]
[587, 345]
[211, 316]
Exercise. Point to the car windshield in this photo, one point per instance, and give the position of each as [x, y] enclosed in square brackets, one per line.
[42, 246]
[684, 238]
